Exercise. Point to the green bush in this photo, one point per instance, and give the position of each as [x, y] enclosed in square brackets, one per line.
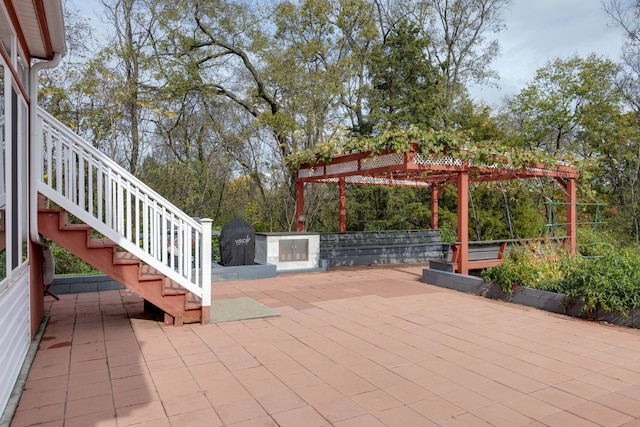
[531, 266]
[67, 263]
[610, 282]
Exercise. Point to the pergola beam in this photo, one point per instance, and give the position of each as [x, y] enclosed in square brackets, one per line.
[343, 205]
[463, 222]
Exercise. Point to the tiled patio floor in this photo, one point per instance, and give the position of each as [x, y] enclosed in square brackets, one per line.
[352, 347]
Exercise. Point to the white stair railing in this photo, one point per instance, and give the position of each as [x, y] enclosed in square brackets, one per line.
[85, 182]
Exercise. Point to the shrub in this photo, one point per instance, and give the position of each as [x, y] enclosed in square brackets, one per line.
[67, 263]
[610, 282]
[529, 265]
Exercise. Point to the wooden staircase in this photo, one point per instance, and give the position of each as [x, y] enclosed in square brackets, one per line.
[179, 305]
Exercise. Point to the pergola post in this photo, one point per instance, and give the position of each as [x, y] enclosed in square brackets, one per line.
[343, 204]
[463, 221]
[435, 193]
[572, 215]
[299, 206]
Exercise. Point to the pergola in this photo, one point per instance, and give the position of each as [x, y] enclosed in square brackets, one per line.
[416, 169]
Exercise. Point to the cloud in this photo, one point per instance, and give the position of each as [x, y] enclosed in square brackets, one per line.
[542, 30]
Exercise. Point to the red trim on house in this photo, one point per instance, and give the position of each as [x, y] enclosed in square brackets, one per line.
[44, 27]
[14, 73]
[16, 25]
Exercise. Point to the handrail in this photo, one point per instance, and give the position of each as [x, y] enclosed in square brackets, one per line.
[85, 182]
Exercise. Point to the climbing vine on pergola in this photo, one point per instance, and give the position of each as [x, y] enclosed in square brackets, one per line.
[428, 159]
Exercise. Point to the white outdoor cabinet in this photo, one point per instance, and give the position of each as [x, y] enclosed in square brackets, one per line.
[289, 251]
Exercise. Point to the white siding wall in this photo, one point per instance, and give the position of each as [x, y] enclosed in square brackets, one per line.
[15, 336]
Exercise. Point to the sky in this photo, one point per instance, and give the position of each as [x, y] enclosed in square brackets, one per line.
[538, 31]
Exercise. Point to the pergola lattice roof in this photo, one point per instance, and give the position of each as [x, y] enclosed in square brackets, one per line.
[415, 169]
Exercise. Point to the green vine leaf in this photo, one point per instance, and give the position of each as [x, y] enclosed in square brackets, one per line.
[429, 142]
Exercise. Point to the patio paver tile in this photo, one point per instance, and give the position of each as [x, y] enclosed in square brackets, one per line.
[366, 420]
[281, 401]
[376, 401]
[76, 408]
[564, 419]
[304, 416]
[621, 403]
[96, 419]
[600, 414]
[437, 409]
[83, 391]
[124, 398]
[197, 418]
[403, 416]
[342, 408]
[500, 415]
[42, 414]
[240, 410]
[185, 404]
[152, 412]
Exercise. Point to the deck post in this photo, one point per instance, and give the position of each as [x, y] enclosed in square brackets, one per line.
[343, 204]
[206, 270]
[435, 193]
[299, 206]
[463, 221]
[572, 215]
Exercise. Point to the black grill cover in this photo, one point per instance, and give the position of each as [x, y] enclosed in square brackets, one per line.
[237, 243]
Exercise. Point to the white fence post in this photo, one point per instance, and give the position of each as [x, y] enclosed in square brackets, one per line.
[206, 262]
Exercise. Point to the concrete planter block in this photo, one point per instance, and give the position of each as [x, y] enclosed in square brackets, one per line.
[441, 265]
[545, 300]
[220, 273]
[78, 284]
[458, 282]
[632, 320]
[493, 291]
[575, 309]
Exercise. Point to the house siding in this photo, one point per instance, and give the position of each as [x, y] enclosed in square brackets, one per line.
[16, 336]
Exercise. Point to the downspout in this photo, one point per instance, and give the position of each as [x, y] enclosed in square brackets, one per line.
[35, 149]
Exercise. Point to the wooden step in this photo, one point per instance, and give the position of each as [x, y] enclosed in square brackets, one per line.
[179, 305]
[121, 257]
[101, 243]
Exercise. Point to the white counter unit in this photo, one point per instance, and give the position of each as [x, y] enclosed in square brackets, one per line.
[289, 251]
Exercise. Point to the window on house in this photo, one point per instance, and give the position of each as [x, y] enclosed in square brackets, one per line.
[3, 237]
[16, 179]
[6, 36]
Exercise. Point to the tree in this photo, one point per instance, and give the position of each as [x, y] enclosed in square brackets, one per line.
[133, 22]
[209, 92]
[405, 89]
[623, 159]
[615, 175]
[460, 46]
[557, 110]
[104, 93]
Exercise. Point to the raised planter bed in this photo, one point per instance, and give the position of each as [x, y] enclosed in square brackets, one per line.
[222, 273]
[544, 300]
[380, 247]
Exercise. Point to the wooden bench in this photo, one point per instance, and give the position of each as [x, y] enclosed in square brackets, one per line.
[482, 254]
[487, 253]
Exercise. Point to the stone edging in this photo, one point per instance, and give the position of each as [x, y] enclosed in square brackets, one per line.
[544, 300]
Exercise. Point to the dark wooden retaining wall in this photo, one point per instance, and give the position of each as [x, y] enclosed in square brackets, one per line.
[381, 247]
